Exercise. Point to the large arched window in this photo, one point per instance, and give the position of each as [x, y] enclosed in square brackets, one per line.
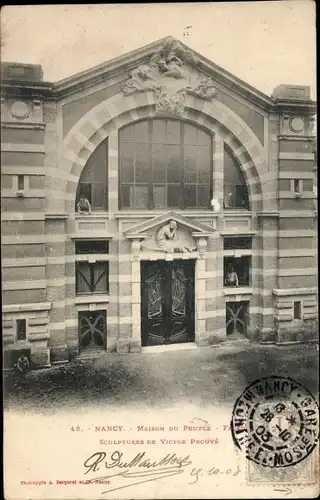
[235, 188]
[93, 183]
[164, 163]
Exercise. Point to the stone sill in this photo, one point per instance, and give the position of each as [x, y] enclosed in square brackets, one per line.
[92, 299]
[238, 291]
[94, 215]
[269, 213]
[56, 216]
[238, 232]
[294, 291]
[86, 235]
[40, 306]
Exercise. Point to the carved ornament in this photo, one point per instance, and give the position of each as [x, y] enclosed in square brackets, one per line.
[167, 239]
[170, 75]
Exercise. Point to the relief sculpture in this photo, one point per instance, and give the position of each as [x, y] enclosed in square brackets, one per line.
[167, 240]
[170, 76]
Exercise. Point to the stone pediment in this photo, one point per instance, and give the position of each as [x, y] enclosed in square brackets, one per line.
[169, 233]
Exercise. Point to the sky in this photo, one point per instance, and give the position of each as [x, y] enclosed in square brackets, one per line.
[263, 43]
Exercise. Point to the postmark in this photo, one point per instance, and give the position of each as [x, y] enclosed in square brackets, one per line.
[275, 422]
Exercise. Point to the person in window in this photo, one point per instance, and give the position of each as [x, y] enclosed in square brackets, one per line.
[83, 205]
[232, 278]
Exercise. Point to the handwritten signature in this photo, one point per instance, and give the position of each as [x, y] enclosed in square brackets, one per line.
[169, 465]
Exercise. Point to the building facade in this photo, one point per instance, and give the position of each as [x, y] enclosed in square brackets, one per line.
[154, 199]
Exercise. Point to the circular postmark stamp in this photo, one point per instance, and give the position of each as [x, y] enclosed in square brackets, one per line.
[275, 422]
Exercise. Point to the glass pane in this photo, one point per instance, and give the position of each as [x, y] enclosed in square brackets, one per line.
[142, 162]
[229, 196]
[99, 172]
[86, 172]
[141, 197]
[232, 171]
[83, 277]
[85, 191]
[127, 163]
[127, 134]
[190, 136]
[173, 163]
[159, 163]
[173, 196]
[159, 132]
[159, 196]
[241, 198]
[204, 139]
[98, 160]
[173, 132]
[125, 196]
[141, 131]
[89, 246]
[190, 195]
[204, 164]
[203, 196]
[99, 195]
[100, 277]
[190, 166]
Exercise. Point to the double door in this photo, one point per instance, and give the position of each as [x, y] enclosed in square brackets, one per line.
[167, 302]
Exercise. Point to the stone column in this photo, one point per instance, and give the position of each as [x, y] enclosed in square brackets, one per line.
[201, 335]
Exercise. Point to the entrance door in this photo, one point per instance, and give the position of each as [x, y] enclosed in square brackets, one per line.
[167, 302]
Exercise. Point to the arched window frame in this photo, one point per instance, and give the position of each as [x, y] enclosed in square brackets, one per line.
[181, 184]
[93, 181]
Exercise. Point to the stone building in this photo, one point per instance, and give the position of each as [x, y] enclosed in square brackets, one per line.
[154, 199]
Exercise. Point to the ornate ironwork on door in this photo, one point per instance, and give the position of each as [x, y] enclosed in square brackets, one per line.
[92, 330]
[167, 305]
[237, 318]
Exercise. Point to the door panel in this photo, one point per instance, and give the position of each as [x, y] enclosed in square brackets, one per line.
[167, 302]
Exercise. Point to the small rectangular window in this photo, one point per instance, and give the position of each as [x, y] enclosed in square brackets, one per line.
[296, 185]
[21, 327]
[237, 271]
[297, 310]
[20, 182]
[237, 243]
[89, 247]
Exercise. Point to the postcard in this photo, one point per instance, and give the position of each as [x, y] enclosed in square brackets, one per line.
[159, 251]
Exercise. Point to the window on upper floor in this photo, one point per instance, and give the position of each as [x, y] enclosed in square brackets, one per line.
[235, 189]
[297, 310]
[237, 271]
[93, 183]
[92, 266]
[165, 164]
[21, 329]
[92, 277]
